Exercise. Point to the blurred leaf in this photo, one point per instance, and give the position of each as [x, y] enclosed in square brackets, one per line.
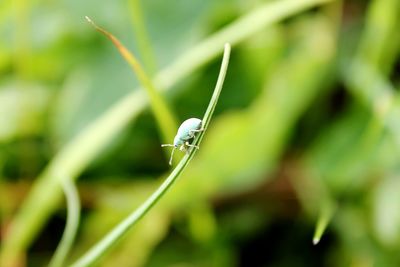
[386, 211]
[23, 107]
[337, 156]
[360, 248]
[202, 224]
[65, 106]
[380, 42]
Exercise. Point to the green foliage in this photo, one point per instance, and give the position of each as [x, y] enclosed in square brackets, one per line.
[305, 138]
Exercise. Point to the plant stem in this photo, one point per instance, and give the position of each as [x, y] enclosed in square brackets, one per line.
[73, 211]
[98, 250]
[142, 37]
[328, 208]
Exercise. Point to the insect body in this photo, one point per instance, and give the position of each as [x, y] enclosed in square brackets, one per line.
[186, 131]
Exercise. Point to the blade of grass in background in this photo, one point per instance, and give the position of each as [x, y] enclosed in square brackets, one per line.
[327, 210]
[380, 40]
[77, 155]
[165, 119]
[143, 40]
[71, 227]
[22, 37]
[315, 199]
[367, 78]
[98, 250]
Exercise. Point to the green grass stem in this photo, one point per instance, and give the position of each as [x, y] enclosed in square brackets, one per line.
[366, 76]
[98, 250]
[71, 228]
[328, 208]
[142, 37]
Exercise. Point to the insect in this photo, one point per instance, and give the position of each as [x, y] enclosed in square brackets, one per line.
[186, 131]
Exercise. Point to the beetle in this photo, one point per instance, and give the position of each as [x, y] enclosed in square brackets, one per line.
[186, 131]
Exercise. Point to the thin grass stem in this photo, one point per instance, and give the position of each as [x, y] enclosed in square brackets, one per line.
[73, 211]
[328, 208]
[142, 37]
[98, 250]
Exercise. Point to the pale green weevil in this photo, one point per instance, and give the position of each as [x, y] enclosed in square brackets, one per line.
[186, 131]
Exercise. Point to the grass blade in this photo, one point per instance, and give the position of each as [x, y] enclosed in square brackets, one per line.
[367, 74]
[165, 120]
[328, 208]
[73, 211]
[142, 37]
[94, 254]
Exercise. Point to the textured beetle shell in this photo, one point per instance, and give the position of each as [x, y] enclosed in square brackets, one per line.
[183, 133]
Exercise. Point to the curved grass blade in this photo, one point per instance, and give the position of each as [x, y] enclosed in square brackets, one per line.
[73, 211]
[94, 254]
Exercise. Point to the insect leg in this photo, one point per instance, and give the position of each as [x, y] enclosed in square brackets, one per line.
[172, 155]
[189, 145]
[191, 132]
[163, 145]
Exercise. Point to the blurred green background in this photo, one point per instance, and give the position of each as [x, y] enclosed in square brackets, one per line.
[307, 130]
